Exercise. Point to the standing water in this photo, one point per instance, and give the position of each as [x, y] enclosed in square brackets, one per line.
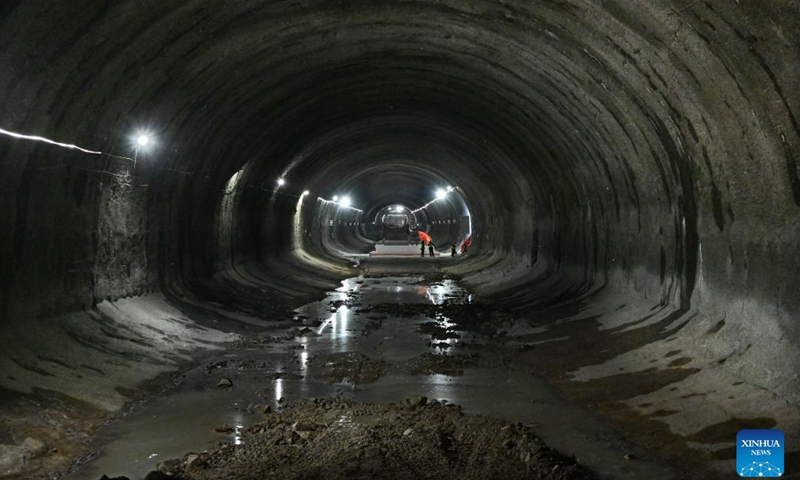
[372, 340]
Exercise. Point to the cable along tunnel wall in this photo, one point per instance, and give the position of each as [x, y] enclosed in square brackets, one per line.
[611, 153]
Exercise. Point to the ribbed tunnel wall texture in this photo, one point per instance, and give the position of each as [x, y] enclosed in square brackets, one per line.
[616, 152]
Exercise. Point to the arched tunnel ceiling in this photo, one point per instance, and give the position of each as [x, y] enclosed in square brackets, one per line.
[612, 129]
[395, 183]
[260, 80]
[632, 164]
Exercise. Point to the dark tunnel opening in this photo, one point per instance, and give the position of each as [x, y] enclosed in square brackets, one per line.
[624, 173]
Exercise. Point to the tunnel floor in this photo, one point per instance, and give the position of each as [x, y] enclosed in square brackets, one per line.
[397, 331]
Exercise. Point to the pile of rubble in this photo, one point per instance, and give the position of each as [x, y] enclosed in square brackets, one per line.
[338, 439]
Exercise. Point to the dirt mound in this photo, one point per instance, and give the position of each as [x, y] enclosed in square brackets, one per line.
[337, 439]
[350, 367]
[431, 364]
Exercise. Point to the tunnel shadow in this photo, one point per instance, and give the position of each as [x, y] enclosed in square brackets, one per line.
[571, 343]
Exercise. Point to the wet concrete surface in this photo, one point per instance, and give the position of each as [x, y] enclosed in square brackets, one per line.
[364, 342]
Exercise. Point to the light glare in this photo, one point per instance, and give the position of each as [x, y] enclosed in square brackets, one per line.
[336, 198]
[306, 192]
[143, 140]
[345, 202]
[281, 182]
[440, 194]
[47, 140]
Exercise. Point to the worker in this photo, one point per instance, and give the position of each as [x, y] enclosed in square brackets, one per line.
[430, 248]
[453, 249]
[421, 249]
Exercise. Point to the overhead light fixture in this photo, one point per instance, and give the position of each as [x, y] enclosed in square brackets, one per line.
[345, 202]
[306, 192]
[281, 182]
[336, 198]
[141, 141]
[440, 194]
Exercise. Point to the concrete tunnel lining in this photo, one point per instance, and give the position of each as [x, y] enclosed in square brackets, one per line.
[618, 158]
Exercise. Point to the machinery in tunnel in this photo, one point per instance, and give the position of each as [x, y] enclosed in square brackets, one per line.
[175, 174]
[396, 217]
[393, 222]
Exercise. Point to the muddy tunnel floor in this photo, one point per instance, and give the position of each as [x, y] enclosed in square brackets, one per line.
[332, 439]
[390, 376]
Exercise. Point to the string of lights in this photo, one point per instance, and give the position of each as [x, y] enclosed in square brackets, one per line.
[344, 202]
[441, 194]
[140, 141]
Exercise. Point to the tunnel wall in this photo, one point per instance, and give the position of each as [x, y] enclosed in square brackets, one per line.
[607, 150]
[72, 235]
[661, 102]
[664, 102]
[334, 230]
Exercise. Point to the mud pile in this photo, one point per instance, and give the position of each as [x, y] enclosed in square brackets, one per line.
[338, 439]
[432, 364]
[349, 367]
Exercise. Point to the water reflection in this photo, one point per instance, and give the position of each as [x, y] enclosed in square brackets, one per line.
[237, 435]
[193, 414]
[304, 360]
[445, 292]
[185, 419]
[278, 390]
[442, 388]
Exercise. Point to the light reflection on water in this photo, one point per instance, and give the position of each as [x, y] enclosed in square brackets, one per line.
[278, 389]
[340, 331]
[237, 436]
[443, 389]
[185, 420]
[304, 360]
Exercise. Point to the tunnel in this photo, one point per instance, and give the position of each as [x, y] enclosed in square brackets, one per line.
[176, 176]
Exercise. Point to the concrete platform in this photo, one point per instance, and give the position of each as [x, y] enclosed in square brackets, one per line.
[397, 249]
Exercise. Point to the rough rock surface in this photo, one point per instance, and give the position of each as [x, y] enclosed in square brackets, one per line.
[336, 439]
[628, 170]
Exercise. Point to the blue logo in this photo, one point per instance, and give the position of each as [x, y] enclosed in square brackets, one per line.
[759, 453]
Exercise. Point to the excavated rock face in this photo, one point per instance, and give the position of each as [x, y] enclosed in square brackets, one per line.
[643, 150]
[607, 141]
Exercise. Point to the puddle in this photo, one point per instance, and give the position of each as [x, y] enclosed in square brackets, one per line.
[341, 324]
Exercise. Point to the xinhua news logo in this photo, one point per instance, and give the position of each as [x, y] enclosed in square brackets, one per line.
[759, 453]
